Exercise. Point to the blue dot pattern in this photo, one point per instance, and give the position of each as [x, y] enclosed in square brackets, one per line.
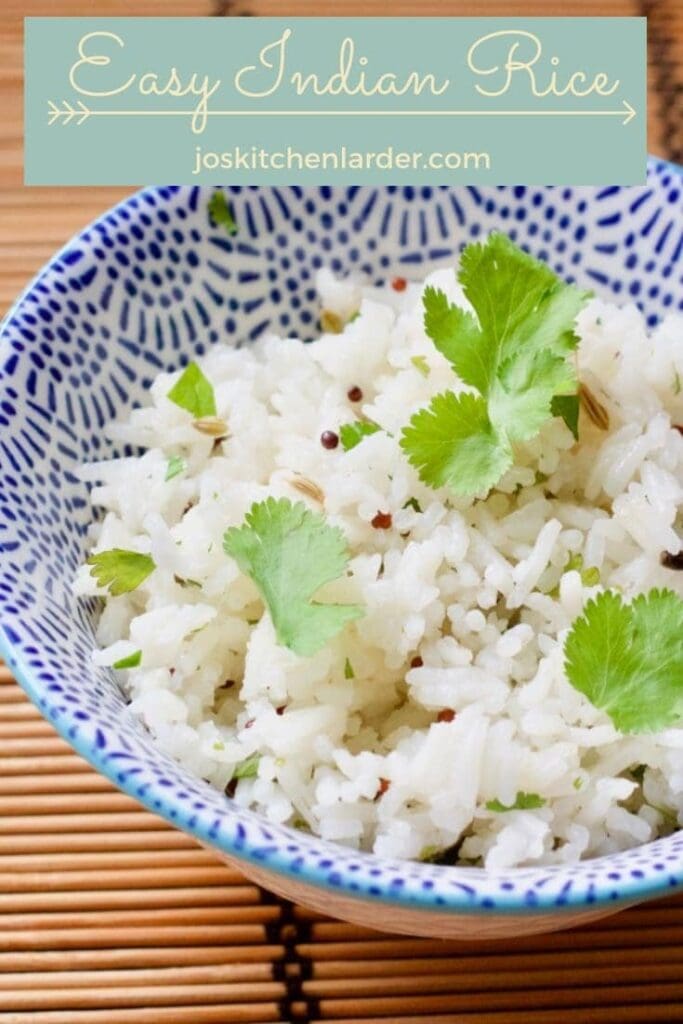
[150, 286]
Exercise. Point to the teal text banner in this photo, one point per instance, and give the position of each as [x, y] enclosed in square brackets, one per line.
[125, 101]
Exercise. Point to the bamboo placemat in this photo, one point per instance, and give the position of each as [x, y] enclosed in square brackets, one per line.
[109, 915]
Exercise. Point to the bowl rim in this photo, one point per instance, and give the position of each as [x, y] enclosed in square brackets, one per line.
[440, 900]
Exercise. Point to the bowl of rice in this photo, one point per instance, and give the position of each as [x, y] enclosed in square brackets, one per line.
[341, 527]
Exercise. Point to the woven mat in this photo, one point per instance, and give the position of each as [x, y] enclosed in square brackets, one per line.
[107, 915]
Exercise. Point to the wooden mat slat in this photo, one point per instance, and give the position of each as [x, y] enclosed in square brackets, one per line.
[149, 877]
[159, 977]
[37, 962]
[237, 994]
[616, 1014]
[557, 999]
[94, 841]
[110, 899]
[223, 1014]
[31, 862]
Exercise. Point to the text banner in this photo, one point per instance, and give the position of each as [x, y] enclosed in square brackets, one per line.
[121, 101]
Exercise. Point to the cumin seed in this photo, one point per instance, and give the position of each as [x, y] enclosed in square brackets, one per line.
[212, 426]
[594, 409]
[330, 322]
[309, 488]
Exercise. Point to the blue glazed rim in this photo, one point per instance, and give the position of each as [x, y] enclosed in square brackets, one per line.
[436, 899]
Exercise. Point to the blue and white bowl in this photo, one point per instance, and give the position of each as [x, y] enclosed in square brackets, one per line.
[149, 286]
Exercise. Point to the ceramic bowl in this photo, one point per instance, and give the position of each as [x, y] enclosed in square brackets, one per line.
[150, 285]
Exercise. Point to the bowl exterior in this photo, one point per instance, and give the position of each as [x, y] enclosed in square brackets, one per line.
[151, 285]
[401, 919]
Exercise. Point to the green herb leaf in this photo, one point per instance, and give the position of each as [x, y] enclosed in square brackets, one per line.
[130, 661]
[457, 336]
[421, 365]
[628, 659]
[429, 854]
[194, 393]
[289, 553]
[514, 353]
[575, 564]
[414, 504]
[454, 444]
[440, 854]
[221, 214]
[523, 802]
[590, 577]
[348, 670]
[351, 434]
[120, 571]
[175, 465]
[247, 769]
[567, 408]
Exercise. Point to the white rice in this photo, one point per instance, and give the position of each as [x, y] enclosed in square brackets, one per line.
[475, 587]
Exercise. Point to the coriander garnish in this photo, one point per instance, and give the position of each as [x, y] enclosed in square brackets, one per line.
[194, 393]
[120, 571]
[513, 353]
[628, 659]
[290, 552]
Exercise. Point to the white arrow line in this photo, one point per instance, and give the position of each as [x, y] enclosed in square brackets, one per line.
[627, 113]
[67, 112]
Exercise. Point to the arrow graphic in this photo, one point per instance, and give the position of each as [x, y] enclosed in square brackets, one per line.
[81, 113]
[630, 112]
[67, 113]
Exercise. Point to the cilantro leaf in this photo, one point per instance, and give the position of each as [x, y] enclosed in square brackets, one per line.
[456, 335]
[247, 769]
[130, 661]
[590, 577]
[348, 670]
[523, 802]
[194, 393]
[520, 400]
[518, 299]
[175, 465]
[351, 434]
[513, 353]
[120, 571]
[567, 408]
[220, 213]
[454, 444]
[421, 365]
[290, 552]
[628, 659]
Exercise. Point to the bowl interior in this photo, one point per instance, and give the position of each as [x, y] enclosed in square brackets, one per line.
[152, 284]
